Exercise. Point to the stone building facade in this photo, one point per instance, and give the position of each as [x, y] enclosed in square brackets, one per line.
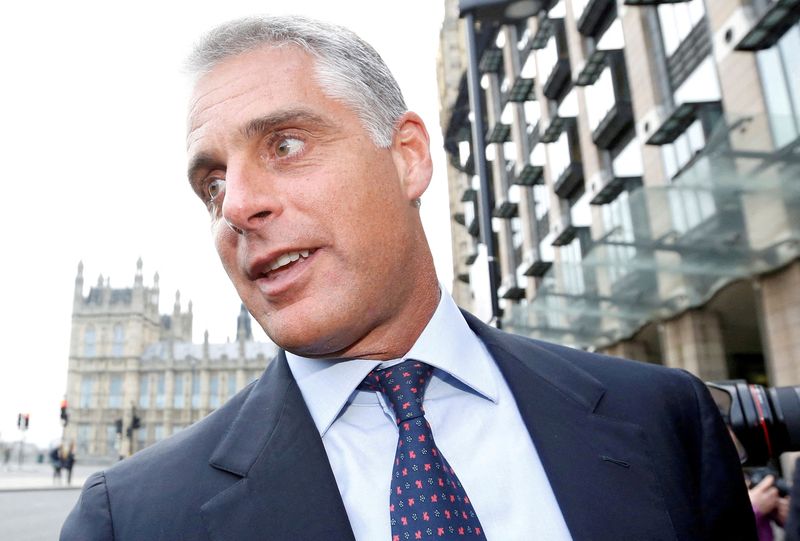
[642, 162]
[127, 360]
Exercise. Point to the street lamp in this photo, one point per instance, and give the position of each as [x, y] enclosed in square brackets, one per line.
[488, 11]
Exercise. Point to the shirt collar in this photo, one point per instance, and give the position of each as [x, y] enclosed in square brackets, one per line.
[446, 343]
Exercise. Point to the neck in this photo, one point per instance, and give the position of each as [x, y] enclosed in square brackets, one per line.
[406, 314]
[393, 338]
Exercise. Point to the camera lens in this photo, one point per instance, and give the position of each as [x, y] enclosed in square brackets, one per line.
[766, 421]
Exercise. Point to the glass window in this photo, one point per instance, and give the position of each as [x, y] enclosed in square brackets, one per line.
[84, 439]
[115, 391]
[231, 384]
[600, 98]
[678, 153]
[541, 196]
[195, 390]
[213, 391]
[558, 11]
[689, 208]
[701, 85]
[111, 439]
[533, 113]
[568, 107]
[89, 342]
[118, 345]
[558, 156]
[516, 232]
[144, 390]
[577, 8]
[613, 38]
[87, 382]
[160, 390]
[141, 436]
[580, 212]
[464, 151]
[677, 20]
[177, 395]
[789, 45]
[628, 163]
[572, 272]
[546, 251]
[618, 224]
[528, 70]
[780, 73]
[158, 432]
[546, 59]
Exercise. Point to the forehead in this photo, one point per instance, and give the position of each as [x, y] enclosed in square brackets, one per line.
[254, 82]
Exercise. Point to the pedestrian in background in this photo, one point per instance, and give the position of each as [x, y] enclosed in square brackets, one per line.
[68, 461]
[55, 460]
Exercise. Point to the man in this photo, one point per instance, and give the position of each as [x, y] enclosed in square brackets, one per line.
[311, 167]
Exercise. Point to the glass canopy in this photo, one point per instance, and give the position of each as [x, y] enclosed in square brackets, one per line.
[732, 213]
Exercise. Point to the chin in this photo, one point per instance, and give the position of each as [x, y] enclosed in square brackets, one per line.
[300, 334]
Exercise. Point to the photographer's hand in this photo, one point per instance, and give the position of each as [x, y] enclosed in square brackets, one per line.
[764, 496]
[782, 511]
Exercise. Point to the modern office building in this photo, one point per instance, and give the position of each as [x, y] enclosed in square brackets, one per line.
[643, 164]
[126, 360]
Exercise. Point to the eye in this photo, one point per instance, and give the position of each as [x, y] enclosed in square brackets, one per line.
[215, 189]
[288, 147]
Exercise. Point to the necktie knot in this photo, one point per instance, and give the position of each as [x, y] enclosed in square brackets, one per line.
[404, 386]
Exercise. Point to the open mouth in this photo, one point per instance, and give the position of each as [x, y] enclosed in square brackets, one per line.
[285, 262]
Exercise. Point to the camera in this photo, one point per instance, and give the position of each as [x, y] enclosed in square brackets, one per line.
[757, 474]
[763, 421]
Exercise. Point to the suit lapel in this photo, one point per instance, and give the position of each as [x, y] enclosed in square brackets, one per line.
[287, 490]
[599, 468]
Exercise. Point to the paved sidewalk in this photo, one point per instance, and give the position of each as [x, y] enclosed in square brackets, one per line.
[36, 476]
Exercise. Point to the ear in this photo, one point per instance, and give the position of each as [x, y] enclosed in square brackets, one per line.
[412, 155]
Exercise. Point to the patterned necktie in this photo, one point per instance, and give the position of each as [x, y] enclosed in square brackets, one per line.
[427, 500]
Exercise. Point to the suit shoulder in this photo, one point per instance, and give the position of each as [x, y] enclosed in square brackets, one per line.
[91, 517]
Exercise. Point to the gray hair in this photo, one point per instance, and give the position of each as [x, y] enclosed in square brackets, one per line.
[347, 67]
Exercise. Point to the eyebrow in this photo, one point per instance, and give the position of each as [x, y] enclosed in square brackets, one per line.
[200, 162]
[267, 123]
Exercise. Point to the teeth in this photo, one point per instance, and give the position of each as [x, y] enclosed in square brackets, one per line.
[287, 258]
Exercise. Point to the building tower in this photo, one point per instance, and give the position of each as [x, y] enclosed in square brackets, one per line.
[111, 327]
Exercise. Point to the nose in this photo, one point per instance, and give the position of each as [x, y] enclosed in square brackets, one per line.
[249, 200]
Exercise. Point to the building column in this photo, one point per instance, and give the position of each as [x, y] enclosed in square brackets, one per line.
[693, 342]
[628, 349]
[780, 303]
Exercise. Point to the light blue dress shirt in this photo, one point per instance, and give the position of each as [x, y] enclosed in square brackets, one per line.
[475, 422]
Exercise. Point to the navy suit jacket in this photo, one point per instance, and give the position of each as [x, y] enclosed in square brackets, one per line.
[632, 451]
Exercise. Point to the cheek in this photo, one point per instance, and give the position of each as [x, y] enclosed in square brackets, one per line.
[225, 242]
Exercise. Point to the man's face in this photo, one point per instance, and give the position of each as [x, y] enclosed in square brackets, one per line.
[311, 220]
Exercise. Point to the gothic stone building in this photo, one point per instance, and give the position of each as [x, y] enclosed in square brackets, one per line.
[128, 360]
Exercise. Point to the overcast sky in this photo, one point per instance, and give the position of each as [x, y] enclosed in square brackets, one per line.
[92, 111]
